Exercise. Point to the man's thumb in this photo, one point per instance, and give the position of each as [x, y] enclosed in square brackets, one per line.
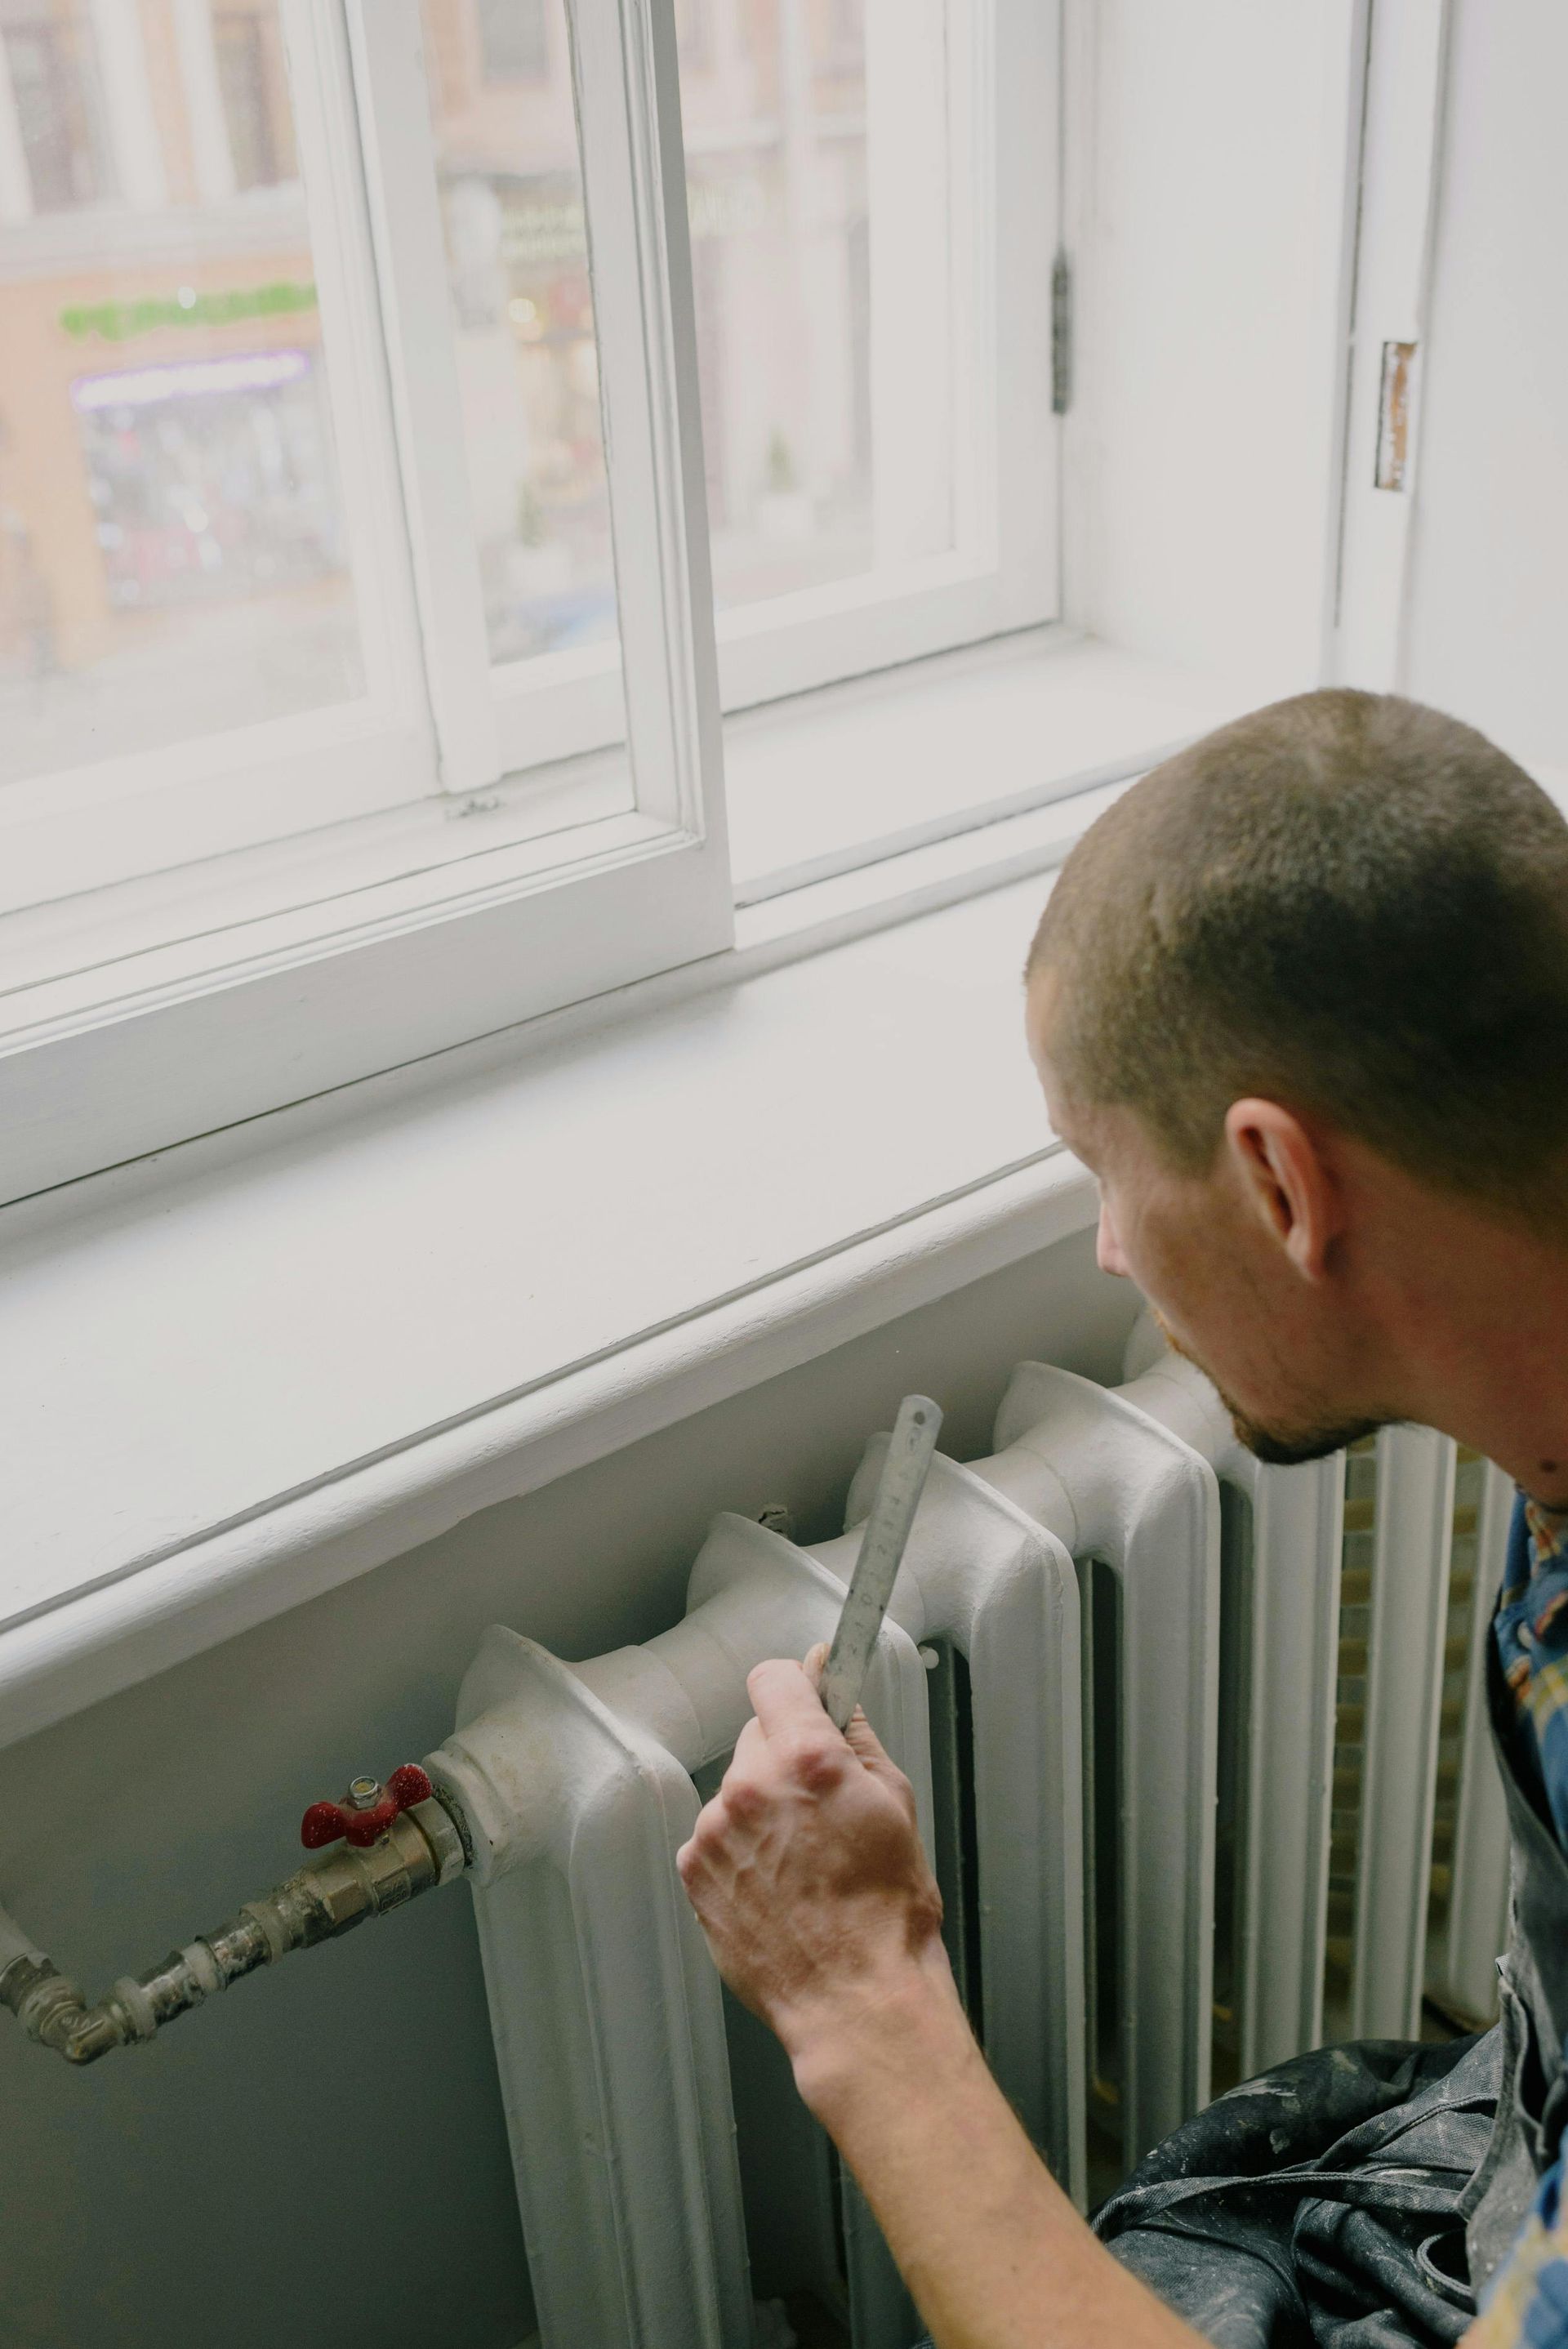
[864, 1743]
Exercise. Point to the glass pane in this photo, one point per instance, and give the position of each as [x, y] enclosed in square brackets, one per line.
[511, 198]
[172, 557]
[818, 181]
[816, 163]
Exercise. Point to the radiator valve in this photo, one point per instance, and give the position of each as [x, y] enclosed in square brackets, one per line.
[380, 1848]
[367, 1811]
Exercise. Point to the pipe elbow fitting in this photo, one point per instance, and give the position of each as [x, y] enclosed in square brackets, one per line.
[91, 2035]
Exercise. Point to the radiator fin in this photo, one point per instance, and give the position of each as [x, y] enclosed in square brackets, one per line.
[1175, 1786]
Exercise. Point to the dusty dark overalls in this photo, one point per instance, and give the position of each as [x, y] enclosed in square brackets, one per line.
[1357, 2198]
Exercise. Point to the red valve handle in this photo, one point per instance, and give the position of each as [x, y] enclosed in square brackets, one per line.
[324, 1823]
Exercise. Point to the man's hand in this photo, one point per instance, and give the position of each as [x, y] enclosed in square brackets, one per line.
[808, 1878]
[807, 1871]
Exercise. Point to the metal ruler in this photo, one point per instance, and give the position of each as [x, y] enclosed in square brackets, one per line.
[909, 1455]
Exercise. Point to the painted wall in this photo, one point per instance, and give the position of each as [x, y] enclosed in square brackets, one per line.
[1488, 614]
[321, 2158]
[1208, 154]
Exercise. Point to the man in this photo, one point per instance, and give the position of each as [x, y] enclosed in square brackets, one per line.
[1300, 1001]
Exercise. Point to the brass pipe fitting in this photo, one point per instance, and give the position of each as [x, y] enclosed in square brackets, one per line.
[342, 1886]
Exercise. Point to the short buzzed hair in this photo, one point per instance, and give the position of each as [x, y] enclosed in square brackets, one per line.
[1348, 902]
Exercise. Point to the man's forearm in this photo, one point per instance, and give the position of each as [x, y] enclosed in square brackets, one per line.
[807, 1871]
[992, 2249]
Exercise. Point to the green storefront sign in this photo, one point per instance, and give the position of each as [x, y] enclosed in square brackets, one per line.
[117, 322]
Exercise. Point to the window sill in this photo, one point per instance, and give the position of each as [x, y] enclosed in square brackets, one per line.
[839, 778]
[249, 1368]
[310, 965]
[267, 1361]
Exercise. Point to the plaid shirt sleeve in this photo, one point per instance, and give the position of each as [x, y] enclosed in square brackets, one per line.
[1526, 2306]
[1532, 1634]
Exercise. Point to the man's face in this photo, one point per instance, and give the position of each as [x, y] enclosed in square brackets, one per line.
[1281, 1350]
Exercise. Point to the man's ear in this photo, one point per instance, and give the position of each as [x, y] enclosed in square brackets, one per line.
[1281, 1172]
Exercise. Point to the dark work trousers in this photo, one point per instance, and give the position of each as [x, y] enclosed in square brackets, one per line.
[1359, 2196]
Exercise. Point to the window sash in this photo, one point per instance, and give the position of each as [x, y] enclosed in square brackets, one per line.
[209, 795]
[1001, 83]
[407, 504]
[662, 672]
[380, 973]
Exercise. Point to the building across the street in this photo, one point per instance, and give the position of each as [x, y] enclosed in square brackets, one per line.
[173, 552]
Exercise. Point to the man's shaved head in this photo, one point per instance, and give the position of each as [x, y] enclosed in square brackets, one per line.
[1346, 902]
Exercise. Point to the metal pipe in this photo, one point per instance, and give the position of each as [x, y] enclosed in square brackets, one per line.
[419, 1848]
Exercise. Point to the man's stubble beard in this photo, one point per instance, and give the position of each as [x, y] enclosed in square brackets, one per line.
[1276, 1448]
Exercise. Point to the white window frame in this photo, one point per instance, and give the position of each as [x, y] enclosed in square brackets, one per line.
[1401, 152]
[976, 86]
[999, 203]
[389, 933]
[214, 794]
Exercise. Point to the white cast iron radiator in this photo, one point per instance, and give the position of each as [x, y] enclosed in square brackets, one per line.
[644, 2207]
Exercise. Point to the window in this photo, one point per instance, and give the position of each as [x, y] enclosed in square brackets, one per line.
[53, 85]
[252, 74]
[183, 561]
[409, 446]
[841, 256]
[514, 229]
[513, 42]
[691, 31]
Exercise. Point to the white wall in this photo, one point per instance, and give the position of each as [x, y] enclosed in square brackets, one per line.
[1488, 615]
[320, 2158]
[1209, 150]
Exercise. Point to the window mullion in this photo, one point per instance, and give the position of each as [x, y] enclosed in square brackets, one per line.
[398, 149]
[366, 451]
[1012, 151]
[633, 174]
[15, 180]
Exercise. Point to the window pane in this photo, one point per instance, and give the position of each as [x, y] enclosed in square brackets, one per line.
[59, 120]
[253, 84]
[822, 244]
[172, 556]
[511, 198]
[515, 42]
[816, 162]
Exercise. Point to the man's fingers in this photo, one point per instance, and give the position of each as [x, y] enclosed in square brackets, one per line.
[693, 1852]
[869, 1749]
[791, 1729]
[789, 1710]
[749, 1748]
[863, 1740]
[784, 1700]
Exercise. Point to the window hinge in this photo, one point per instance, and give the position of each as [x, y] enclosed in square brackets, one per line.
[1061, 335]
[1393, 462]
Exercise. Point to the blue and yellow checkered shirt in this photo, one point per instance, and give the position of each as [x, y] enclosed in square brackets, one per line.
[1527, 2306]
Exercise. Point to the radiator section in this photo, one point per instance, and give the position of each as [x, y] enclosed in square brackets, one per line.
[1414, 1772]
[998, 1588]
[1405, 1663]
[1293, 1537]
[1296, 1539]
[1463, 1961]
[1144, 1505]
[1049, 1676]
